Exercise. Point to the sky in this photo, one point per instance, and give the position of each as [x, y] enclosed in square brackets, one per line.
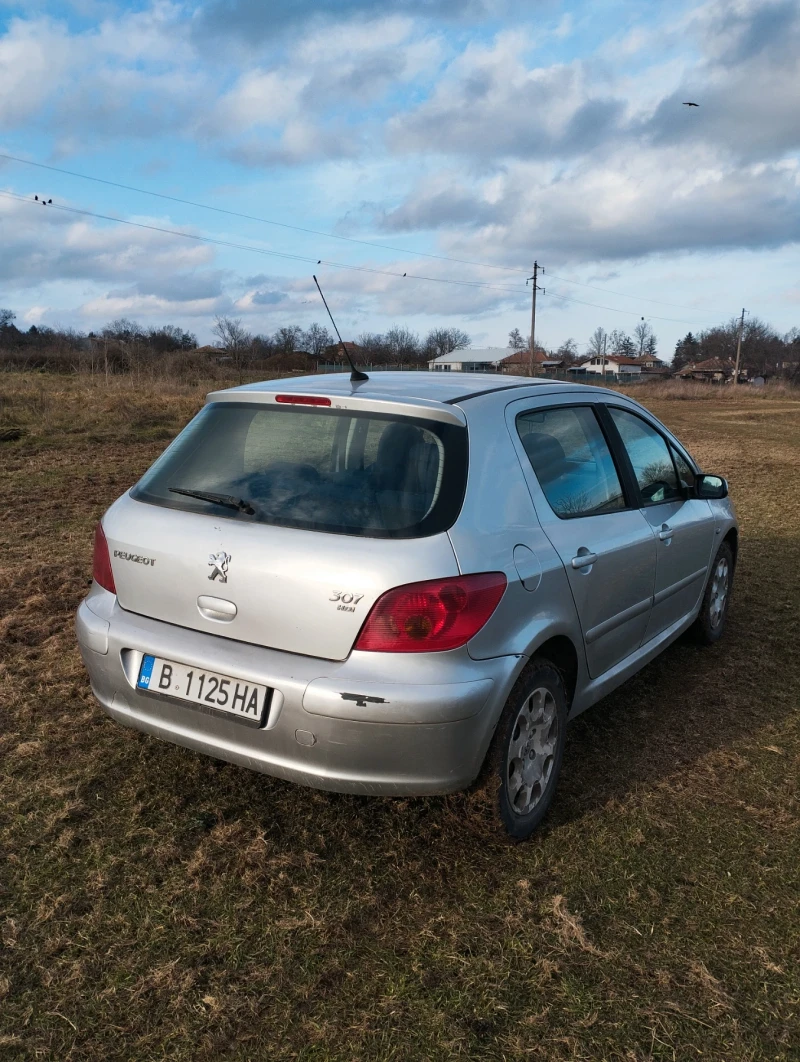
[453, 141]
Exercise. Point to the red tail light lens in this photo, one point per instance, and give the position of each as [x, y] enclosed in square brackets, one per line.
[101, 565]
[302, 400]
[432, 616]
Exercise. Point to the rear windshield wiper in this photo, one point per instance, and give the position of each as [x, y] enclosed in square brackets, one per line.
[227, 500]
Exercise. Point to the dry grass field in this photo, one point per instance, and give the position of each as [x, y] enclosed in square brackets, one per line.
[158, 905]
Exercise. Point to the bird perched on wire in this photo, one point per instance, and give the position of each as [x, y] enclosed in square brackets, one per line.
[689, 104]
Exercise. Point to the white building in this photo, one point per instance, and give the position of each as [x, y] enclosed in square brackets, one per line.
[486, 359]
[614, 366]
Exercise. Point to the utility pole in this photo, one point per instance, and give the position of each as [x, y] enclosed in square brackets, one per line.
[739, 347]
[533, 311]
[603, 362]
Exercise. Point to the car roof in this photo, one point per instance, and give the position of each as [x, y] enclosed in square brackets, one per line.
[447, 387]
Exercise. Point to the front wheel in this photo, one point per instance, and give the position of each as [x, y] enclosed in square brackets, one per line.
[524, 759]
[710, 622]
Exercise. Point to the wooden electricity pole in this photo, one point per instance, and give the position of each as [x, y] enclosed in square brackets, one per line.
[533, 313]
[739, 347]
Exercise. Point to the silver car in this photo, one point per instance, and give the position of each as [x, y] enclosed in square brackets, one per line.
[405, 584]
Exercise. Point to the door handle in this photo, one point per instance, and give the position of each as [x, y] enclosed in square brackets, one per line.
[665, 533]
[583, 560]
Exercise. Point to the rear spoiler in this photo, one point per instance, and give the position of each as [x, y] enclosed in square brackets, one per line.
[421, 408]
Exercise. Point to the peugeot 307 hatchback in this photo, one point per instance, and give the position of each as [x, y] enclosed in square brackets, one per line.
[404, 584]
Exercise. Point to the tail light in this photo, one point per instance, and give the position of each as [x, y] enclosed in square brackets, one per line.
[101, 565]
[432, 616]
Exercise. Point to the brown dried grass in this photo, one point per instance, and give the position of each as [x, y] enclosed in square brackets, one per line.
[156, 904]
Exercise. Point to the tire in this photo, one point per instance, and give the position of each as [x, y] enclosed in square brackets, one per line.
[709, 626]
[514, 799]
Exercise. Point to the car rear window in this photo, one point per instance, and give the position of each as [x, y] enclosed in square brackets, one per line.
[319, 469]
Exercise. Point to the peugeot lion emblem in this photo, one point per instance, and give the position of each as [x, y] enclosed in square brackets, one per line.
[220, 563]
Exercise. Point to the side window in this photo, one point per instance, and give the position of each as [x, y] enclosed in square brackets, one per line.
[650, 457]
[571, 459]
[685, 472]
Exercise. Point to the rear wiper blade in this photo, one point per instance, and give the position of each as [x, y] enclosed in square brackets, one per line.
[228, 500]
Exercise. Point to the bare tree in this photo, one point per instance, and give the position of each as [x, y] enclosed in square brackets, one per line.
[644, 337]
[316, 339]
[441, 341]
[516, 340]
[288, 339]
[402, 345]
[568, 351]
[235, 340]
[621, 344]
[6, 318]
[373, 344]
[597, 342]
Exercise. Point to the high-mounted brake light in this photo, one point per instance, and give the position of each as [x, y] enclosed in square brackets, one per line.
[432, 616]
[303, 400]
[101, 563]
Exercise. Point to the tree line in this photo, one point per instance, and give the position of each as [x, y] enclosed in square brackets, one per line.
[124, 345]
[765, 351]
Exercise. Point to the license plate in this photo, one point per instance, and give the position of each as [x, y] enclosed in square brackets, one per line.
[221, 692]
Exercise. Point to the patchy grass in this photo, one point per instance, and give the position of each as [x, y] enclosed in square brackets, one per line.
[155, 904]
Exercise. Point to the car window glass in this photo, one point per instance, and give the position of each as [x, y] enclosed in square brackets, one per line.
[650, 457]
[318, 469]
[571, 459]
[685, 472]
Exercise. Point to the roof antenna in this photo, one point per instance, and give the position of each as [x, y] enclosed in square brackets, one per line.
[355, 375]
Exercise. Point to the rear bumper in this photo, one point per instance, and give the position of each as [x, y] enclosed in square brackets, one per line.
[427, 730]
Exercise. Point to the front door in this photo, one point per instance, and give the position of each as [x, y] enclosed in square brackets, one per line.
[607, 548]
[683, 526]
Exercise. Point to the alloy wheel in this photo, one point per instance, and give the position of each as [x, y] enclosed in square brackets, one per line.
[719, 592]
[532, 751]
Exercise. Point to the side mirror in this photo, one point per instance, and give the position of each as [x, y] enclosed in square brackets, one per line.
[710, 487]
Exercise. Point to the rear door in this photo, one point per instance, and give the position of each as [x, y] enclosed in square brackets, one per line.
[607, 547]
[683, 526]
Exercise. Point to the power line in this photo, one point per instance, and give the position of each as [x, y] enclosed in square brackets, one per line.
[263, 250]
[318, 232]
[252, 217]
[199, 238]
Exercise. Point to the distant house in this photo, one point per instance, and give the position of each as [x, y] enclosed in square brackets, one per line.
[609, 365]
[334, 351]
[519, 361]
[487, 359]
[494, 359]
[713, 370]
[650, 361]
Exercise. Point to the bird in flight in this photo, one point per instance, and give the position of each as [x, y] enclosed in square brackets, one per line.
[686, 104]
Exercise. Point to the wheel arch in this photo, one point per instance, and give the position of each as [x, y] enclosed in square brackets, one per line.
[561, 652]
[732, 538]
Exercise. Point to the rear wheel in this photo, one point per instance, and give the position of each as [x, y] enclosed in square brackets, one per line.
[524, 759]
[710, 623]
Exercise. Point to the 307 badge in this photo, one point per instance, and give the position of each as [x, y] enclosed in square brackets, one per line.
[346, 602]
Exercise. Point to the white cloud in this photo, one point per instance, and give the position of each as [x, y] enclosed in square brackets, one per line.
[43, 244]
[34, 62]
